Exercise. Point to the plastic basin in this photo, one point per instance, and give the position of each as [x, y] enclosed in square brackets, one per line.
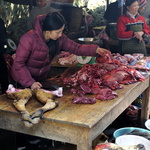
[130, 140]
[123, 131]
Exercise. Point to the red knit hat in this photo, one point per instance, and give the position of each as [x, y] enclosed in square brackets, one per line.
[142, 3]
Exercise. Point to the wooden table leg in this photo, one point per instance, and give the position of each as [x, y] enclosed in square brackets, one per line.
[84, 141]
[145, 111]
[84, 146]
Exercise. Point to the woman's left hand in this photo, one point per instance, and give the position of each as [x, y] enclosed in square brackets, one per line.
[102, 51]
[36, 85]
[139, 35]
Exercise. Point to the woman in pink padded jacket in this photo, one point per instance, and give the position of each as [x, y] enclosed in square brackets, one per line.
[38, 47]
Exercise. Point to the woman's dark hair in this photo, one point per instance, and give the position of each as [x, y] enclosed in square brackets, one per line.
[129, 2]
[53, 21]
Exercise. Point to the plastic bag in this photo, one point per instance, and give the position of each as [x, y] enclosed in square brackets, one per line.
[102, 35]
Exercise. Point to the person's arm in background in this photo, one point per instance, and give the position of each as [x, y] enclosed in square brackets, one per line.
[146, 28]
[122, 34]
[80, 49]
[121, 29]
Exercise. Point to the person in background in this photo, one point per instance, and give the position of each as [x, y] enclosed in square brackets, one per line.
[38, 47]
[3, 46]
[112, 13]
[146, 12]
[42, 8]
[142, 5]
[130, 29]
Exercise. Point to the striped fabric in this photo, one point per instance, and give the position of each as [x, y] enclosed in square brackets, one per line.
[142, 3]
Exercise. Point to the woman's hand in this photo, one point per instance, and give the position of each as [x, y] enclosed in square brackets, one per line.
[139, 35]
[36, 85]
[102, 51]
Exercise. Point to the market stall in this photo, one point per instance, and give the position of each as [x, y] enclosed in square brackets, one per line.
[78, 124]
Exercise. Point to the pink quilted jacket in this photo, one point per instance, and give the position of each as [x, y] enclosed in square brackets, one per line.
[32, 62]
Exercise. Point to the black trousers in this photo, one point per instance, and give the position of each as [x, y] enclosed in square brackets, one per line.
[3, 75]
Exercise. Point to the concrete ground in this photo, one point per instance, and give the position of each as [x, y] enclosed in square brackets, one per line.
[12, 141]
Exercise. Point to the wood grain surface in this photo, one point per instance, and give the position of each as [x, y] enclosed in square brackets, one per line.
[78, 124]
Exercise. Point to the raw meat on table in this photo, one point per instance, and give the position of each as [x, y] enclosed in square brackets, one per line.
[83, 100]
[108, 74]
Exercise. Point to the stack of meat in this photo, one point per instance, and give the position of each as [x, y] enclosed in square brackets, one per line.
[102, 78]
[127, 59]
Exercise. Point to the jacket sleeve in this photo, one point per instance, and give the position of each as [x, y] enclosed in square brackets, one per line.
[75, 48]
[146, 28]
[121, 29]
[19, 71]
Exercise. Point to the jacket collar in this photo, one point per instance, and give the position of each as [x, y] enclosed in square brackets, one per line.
[131, 15]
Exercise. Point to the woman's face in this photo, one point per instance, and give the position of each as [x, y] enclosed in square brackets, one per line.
[54, 34]
[133, 8]
[41, 3]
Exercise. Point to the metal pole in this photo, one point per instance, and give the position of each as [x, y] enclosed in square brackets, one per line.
[107, 3]
[31, 4]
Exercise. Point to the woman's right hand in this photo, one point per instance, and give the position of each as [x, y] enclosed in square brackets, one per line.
[36, 85]
[102, 51]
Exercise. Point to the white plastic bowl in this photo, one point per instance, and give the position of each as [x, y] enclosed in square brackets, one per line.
[147, 124]
[129, 140]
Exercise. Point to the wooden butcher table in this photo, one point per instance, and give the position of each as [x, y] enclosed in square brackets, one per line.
[78, 124]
